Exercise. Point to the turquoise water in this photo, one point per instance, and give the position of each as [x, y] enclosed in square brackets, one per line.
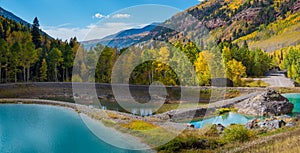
[47, 129]
[225, 120]
[234, 118]
[295, 99]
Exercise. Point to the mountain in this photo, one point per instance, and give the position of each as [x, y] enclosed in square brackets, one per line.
[265, 24]
[122, 39]
[11, 16]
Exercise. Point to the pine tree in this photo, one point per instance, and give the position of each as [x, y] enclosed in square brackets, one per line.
[36, 33]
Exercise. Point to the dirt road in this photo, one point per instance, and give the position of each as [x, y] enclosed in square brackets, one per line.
[277, 79]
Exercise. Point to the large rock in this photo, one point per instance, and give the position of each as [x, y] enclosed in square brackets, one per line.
[271, 124]
[268, 124]
[269, 103]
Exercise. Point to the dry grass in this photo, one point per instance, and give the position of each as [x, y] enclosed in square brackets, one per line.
[255, 83]
[286, 143]
[139, 125]
[116, 116]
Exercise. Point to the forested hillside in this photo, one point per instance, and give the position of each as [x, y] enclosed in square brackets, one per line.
[230, 38]
[266, 25]
[26, 54]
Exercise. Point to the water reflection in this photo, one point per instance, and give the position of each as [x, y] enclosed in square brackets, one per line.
[142, 111]
[225, 120]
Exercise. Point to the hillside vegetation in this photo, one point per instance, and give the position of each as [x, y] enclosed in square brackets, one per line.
[220, 38]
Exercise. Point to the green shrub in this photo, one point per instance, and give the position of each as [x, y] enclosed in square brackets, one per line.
[225, 110]
[236, 133]
[180, 143]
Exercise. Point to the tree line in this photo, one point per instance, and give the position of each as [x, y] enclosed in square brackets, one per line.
[28, 54]
[288, 59]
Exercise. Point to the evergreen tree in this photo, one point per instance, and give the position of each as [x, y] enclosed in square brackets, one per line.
[36, 33]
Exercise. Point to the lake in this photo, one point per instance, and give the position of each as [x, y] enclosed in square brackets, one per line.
[44, 129]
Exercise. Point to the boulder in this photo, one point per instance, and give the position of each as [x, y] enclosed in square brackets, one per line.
[220, 128]
[271, 124]
[251, 124]
[269, 103]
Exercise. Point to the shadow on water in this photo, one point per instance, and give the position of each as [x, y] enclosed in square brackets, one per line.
[295, 99]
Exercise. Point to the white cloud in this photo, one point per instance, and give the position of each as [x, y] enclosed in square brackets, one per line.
[121, 16]
[89, 32]
[100, 16]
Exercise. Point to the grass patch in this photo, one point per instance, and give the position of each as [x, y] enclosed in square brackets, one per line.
[255, 83]
[114, 115]
[138, 125]
[284, 90]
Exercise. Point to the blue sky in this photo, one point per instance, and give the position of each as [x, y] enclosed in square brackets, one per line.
[67, 18]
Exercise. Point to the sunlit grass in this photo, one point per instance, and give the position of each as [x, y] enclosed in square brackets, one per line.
[255, 83]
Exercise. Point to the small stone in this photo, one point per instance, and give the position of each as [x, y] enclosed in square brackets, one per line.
[220, 128]
[291, 124]
[190, 125]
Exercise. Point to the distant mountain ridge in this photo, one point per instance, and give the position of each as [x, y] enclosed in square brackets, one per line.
[123, 38]
[11, 16]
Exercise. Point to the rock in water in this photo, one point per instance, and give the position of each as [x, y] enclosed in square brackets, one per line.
[269, 103]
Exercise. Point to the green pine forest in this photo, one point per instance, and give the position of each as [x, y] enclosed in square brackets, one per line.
[29, 55]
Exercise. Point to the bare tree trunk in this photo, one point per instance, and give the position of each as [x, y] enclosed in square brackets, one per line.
[0, 73]
[63, 77]
[55, 73]
[67, 74]
[28, 73]
[6, 74]
[16, 77]
[24, 74]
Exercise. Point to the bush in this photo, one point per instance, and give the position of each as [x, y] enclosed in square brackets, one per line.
[76, 78]
[236, 133]
[225, 110]
[181, 143]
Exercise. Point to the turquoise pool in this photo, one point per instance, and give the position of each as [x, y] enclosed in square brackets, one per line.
[225, 120]
[47, 129]
[295, 99]
[235, 118]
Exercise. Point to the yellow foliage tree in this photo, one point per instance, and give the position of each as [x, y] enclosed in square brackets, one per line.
[202, 67]
[235, 71]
